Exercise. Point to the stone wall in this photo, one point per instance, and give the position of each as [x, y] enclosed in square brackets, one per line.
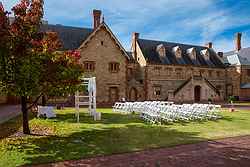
[245, 77]
[102, 50]
[162, 80]
[136, 78]
[233, 80]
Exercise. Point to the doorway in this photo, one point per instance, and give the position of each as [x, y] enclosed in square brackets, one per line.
[133, 95]
[113, 94]
[197, 93]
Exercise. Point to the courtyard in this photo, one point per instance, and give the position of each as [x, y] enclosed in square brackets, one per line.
[124, 84]
[61, 138]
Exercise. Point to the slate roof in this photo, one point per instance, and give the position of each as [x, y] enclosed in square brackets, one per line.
[130, 56]
[238, 58]
[148, 48]
[71, 37]
[245, 86]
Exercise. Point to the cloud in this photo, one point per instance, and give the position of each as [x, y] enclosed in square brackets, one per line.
[184, 21]
[228, 44]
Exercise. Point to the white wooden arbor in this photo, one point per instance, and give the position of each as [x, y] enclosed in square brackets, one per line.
[87, 100]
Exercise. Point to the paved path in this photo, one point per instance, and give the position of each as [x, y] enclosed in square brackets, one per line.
[239, 107]
[231, 152]
[8, 112]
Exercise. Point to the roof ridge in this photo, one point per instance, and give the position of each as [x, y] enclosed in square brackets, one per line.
[173, 42]
[234, 50]
[67, 26]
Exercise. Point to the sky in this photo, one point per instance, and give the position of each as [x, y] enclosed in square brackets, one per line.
[182, 21]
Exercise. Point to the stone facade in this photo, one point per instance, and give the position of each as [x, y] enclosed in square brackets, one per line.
[194, 74]
[102, 50]
[168, 78]
[238, 70]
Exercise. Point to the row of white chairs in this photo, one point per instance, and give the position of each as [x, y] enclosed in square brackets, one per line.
[161, 111]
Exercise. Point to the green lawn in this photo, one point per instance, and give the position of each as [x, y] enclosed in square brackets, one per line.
[116, 133]
[242, 103]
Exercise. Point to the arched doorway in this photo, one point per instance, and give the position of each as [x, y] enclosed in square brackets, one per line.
[197, 93]
[133, 94]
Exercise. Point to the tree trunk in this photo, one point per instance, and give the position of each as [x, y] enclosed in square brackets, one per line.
[26, 129]
[44, 100]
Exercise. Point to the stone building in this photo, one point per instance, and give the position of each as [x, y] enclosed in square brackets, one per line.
[179, 72]
[238, 61]
[155, 70]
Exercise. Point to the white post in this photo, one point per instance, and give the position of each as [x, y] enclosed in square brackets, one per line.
[91, 83]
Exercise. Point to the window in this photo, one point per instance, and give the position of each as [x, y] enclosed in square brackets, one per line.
[202, 72]
[205, 54]
[218, 87]
[229, 90]
[248, 72]
[218, 73]
[130, 72]
[178, 73]
[89, 66]
[161, 50]
[210, 73]
[114, 67]
[169, 71]
[157, 90]
[157, 70]
[177, 51]
[102, 42]
[192, 53]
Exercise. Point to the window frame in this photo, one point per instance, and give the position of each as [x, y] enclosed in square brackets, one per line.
[157, 90]
[89, 66]
[248, 72]
[114, 67]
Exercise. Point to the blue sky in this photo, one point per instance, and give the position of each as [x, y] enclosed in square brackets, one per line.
[184, 21]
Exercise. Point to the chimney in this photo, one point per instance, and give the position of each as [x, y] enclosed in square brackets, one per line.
[96, 18]
[209, 45]
[238, 41]
[220, 54]
[135, 37]
[1, 7]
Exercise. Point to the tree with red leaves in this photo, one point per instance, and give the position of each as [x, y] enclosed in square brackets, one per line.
[30, 65]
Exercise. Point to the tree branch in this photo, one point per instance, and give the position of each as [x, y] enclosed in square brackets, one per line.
[34, 102]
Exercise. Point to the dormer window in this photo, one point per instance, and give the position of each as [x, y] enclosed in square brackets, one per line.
[161, 50]
[192, 53]
[205, 54]
[177, 51]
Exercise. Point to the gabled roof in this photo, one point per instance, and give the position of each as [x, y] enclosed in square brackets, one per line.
[131, 58]
[105, 26]
[148, 48]
[241, 57]
[71, 37]
[199, 78]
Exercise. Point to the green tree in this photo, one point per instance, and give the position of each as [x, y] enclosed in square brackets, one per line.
[30, 65]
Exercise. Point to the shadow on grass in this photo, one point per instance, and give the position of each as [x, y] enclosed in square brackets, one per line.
[107, 118]
[114, 118]
[203, 121]
[12, 126]
[91, 141]
[105, 141]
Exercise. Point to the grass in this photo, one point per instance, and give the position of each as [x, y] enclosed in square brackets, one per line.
[242, 103]
[115, 133]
